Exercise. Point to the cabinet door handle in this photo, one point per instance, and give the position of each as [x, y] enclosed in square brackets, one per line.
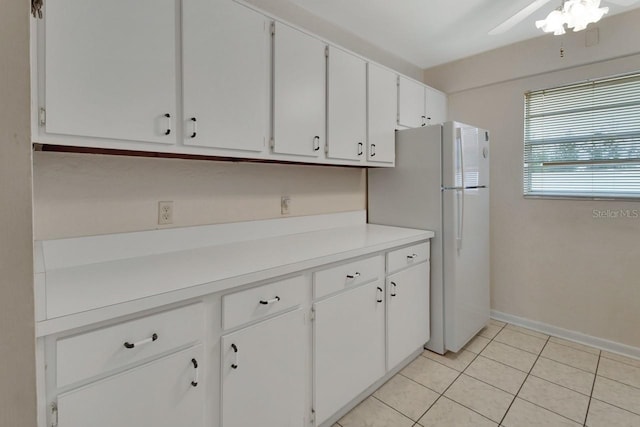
[360, 148]
[412, 256]
[195, 376]
[373, 150]
[168, 131]
[316, 143]
[270, 301]
[354, 275]
[393, 293]
[424, 120]
[380, 294]
[195, 127]
[234, 365]
[152, 338]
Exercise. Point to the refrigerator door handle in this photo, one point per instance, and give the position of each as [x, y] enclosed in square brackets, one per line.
[460, 218]
[460, 156]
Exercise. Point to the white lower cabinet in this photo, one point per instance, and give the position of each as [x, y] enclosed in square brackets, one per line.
[292, 352]
[264, 373]
[408, 312]
[348, 347]
[163, 393]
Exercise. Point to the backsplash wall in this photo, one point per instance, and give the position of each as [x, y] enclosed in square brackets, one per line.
[89, 194]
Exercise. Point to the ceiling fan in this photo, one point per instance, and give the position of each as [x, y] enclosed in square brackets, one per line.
[555, 16]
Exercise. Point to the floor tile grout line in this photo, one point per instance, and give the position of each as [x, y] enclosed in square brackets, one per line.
[515, 331]
[593, 386]
[459, 375]
[527, 333]
[389, 406]
[502, 363]
[414, 381]
[559, 385]
[566, 364]
[616, 406]
[456, 379]
[489, 384]
[619, 361]
[618, 381]
[549, 410]
[518, 348]
[525, 380]
[577, 349]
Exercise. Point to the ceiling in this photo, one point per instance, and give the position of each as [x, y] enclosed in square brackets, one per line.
[427, 33]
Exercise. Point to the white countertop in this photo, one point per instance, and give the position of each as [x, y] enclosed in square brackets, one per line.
[177, 275]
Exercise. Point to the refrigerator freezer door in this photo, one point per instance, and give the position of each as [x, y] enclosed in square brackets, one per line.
[466, 264]
[464, 156]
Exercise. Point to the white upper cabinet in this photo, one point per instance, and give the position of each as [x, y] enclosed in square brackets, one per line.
[226, 75]
[111, 69]
[382, 108]
[436, 110]
[299, 95]
[411, 103]
[347, 105]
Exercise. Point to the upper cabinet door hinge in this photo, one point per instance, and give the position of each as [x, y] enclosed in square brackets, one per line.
[312, 418]
[273, 28]
[326, 51]
[312, 316]
[42, 116]
[54, 414]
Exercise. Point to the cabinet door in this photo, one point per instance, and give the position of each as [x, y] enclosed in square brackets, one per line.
[348, 347]
[268, 385]
[436, 106]
[411, 103]
[226, 75]
[111, 69]
[347, 105]
[159, 394]
[383, 114]
[408, 315]
[299, 96]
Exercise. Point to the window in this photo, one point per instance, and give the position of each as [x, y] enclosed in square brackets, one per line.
[583, 140]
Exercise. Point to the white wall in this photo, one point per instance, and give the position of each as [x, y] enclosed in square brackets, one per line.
[551, 260]
[84, 194]
[17, 336]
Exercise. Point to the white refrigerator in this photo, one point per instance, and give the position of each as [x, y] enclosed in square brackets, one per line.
[441, 183]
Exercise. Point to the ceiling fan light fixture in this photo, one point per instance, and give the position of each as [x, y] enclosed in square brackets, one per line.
[576, 14]
[553, 23]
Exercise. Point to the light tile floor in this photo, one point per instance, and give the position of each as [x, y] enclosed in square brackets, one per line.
[508, 376]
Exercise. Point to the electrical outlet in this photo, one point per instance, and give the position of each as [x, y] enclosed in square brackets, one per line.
[165, 213]
[285, 201]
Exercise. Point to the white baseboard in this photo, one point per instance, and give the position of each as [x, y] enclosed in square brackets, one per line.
[579, 337]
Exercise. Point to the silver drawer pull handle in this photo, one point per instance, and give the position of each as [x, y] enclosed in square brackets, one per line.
[195, 377]
[270, 301]
[152, 338]
[234, 365]
[353, 276]
[413, 256]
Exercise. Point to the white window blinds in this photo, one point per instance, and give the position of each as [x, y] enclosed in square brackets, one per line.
[583, 140]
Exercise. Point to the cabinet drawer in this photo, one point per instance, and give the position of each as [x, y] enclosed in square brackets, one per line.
[345, 275]
[96, 352]
[405, 257]
[256, 303]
